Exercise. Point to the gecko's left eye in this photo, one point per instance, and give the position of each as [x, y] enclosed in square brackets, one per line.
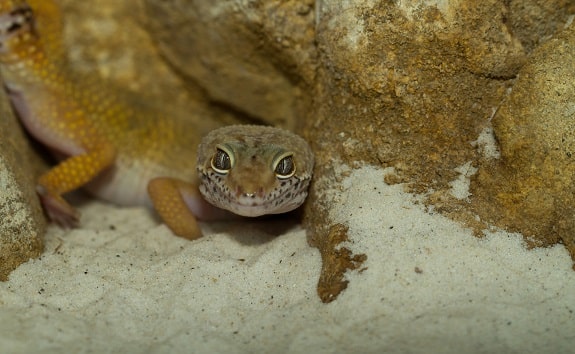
[285, 166]
[222, 161]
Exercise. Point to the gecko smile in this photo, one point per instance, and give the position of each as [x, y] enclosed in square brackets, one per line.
[285, 197]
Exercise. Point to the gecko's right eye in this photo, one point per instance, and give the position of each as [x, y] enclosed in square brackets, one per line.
[22, 16]
[222, 161]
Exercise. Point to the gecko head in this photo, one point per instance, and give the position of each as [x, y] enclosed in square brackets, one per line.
[254, 170]
[17, 27]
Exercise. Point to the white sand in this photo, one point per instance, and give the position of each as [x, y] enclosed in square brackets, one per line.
[241, 289]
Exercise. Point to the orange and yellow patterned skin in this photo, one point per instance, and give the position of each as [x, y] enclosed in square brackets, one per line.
[123, 150]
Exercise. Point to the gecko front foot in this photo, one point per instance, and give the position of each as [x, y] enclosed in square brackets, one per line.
[58, 210]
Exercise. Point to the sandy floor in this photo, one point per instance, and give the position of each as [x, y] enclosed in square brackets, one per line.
[124, 284]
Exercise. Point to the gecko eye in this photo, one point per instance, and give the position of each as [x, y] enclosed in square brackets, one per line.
[22, 16]
[285, 166]
[222, 162]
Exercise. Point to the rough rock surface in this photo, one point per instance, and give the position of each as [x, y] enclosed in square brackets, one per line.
[531, 189]
[535, 21]
[411, 86]
[254, 57]
[405, 86]
[23, 223]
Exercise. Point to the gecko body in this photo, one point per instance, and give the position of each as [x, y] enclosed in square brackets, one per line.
[126, 151]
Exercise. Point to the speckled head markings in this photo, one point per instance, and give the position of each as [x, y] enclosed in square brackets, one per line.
[254, 170]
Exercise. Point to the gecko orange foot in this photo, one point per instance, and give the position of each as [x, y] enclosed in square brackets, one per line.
[57, 209]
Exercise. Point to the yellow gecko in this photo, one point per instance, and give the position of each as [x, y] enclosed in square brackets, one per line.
[131, 154]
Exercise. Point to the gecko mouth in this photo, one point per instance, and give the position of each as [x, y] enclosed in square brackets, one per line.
[279, 200]
[263, 207]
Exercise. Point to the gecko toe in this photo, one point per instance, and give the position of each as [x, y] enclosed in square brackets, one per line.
[58, 210]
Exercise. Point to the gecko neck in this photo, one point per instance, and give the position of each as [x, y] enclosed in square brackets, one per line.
[27, 67]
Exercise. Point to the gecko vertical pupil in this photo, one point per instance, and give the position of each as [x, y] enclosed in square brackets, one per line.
[221, 162]
[285, 168]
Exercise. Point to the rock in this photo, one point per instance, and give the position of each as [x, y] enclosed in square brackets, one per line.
[22, 222]
[531, 189]
[253, 57]
[535, 21]
[407, 86]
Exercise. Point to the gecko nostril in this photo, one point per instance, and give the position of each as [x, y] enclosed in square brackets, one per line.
[243, 194]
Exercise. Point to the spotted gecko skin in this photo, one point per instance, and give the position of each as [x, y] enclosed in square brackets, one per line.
[268, 169]
[120, 149]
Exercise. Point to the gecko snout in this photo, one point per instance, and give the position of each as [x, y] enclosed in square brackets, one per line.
[249, 194]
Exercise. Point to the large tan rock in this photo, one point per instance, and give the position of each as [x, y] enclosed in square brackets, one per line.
[531, 189]
[405, 85]
[254, 57]
[22, 223]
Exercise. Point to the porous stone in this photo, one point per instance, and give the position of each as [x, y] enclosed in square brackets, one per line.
[535, 21]
[22, 222]
[256, 58]
[404, 85]
[531, 188]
